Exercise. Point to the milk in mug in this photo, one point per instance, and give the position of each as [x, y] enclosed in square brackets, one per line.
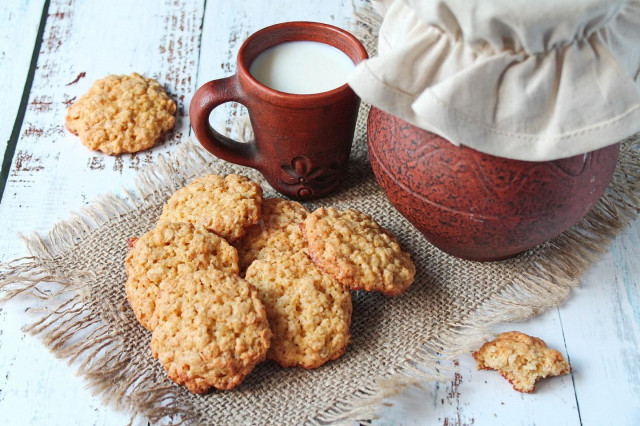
[302, 67]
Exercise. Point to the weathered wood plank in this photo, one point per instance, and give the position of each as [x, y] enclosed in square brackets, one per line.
[19, 23]
[52, 174]
[484, 397]
[601, 324]
[598, 328]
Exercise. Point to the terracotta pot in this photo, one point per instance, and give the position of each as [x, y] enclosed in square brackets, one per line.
[477, 206]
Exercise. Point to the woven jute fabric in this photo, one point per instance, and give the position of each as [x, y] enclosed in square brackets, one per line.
[77, 272]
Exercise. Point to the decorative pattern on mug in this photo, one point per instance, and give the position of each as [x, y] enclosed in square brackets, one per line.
[303, 174]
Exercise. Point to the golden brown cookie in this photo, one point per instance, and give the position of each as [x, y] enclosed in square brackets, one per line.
[356, 251]
[227, 205]
[309, 312]
[122, 113]
[211, 330]
[166, 251]
[278, 228]
[521, 359]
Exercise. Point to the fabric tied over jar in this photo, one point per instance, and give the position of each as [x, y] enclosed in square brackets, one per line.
[533, 81]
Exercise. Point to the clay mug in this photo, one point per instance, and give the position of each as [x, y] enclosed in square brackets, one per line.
[302, 141]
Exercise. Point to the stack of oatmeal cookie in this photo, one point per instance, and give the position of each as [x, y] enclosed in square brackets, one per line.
[227, 279]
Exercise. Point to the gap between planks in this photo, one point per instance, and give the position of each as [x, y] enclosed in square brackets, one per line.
[22, 109]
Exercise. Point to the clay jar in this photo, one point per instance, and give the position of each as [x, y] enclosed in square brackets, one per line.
[477, 206]
[302, 141]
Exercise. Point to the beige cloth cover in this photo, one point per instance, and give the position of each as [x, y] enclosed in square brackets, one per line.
[529, 80]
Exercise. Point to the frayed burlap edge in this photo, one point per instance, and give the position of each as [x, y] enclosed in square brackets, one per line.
[546, 285]
[73, 331]
[570, 255]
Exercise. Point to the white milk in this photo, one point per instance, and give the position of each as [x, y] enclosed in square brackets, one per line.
[302, 67]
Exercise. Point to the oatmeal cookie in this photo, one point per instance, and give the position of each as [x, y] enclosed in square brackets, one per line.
[521, 359]
[309, 312]
[227, 205]
[278, 228]
[356, 251]
[211, 330]
[122, 113]
[166, 251]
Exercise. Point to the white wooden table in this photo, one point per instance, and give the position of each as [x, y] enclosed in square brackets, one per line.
[50, 53]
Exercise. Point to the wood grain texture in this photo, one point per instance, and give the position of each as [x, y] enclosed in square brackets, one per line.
[53, 174]
[483, 397]
[16, 51]
[601, 324]
[183, 46]
[597, 329]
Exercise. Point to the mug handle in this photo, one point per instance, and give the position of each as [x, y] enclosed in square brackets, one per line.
[204, 101]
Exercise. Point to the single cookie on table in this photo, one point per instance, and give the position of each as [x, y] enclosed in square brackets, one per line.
[211, 331]
[166, 251]
[226, 205]
[309, 312]
[122, 113]
[521, 359]
[351, 247]
[278, 228]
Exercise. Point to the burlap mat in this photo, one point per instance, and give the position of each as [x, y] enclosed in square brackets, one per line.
[77, 274]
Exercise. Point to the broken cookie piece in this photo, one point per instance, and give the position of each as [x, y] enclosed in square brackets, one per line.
[521, 359]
